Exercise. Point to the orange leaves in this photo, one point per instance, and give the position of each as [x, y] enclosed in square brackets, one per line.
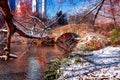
[23, 8]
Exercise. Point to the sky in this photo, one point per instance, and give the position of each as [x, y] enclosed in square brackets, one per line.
[54, 6]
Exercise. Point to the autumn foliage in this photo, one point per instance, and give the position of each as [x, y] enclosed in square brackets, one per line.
[23, 8]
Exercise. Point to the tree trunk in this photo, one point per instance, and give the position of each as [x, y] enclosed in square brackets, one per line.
[8, 21]
[43, 9]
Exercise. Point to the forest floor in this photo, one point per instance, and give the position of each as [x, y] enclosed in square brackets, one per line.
[103, 65]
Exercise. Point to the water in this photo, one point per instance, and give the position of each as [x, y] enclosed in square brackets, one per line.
[31, 62]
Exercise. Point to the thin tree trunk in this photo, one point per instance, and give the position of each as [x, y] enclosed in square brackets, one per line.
[43, 9]
[98, 11]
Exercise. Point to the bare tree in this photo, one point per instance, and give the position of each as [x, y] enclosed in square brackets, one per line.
[111, 12]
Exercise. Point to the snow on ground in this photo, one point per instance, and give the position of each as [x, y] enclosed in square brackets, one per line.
[92, 41]
[103, 65]
[107, 55]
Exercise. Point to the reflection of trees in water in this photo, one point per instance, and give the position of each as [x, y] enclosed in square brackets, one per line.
[33, 61]
[44, 54]
[67, 41]
[41, 54]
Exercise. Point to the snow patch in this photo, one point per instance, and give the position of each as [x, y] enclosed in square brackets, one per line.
[104, 63]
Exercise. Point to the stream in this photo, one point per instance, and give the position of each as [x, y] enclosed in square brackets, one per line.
[31, 62]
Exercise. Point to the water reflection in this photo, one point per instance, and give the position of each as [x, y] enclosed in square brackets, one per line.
[31, 64]
[34, 69]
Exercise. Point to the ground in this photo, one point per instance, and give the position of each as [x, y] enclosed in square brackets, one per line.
[103, 65]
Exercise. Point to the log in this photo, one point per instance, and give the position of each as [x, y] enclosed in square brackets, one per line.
[4, 57]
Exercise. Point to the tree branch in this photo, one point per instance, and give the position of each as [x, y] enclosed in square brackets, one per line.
[90, 11]
[26, 35]
[101, 4]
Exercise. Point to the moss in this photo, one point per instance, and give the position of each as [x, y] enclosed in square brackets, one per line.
[53, 73]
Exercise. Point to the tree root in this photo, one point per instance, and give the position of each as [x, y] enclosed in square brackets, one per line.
[7, 57]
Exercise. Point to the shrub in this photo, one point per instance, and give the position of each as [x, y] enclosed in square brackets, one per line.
[115, 35]
[53, 72]
[83, 48]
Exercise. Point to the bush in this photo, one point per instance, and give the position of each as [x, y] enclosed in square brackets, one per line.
[83, 48]
[53, 72]
[115, 35]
